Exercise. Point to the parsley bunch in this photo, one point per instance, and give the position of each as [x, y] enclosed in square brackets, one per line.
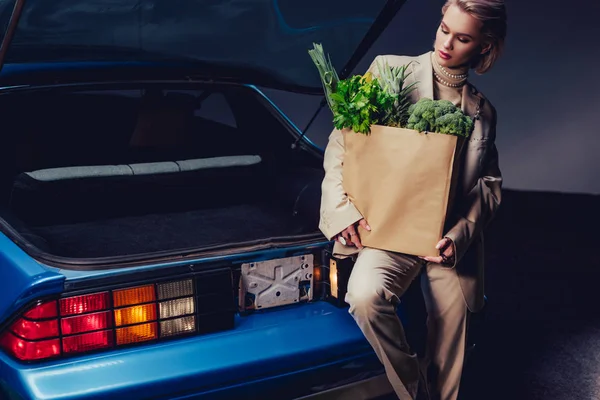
[359, 103]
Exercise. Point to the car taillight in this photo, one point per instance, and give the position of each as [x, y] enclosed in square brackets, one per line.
[35, 335]
[337, 277]
[176, 314]
[83, 304]
[113, 318]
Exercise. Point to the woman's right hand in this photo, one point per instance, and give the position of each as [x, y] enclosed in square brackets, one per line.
[349, 236]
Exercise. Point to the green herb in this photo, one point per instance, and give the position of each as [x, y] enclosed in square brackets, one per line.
[440, 116]
[359, 103]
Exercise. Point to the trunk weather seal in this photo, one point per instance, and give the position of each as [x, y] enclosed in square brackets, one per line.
[10, 30]
[186, 254]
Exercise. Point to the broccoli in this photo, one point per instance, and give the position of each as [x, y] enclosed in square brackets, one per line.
[421, 115]
[443, 107]
[440, 116]
[455, 123]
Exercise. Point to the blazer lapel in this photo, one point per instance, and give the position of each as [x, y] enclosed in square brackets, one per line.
[422, 73]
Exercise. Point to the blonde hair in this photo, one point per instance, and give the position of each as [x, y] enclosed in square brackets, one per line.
[492, 14]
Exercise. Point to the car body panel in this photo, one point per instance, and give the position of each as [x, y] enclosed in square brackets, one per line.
[23, 279]
[262, 346]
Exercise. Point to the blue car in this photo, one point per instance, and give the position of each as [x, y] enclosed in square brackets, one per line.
[159, 213]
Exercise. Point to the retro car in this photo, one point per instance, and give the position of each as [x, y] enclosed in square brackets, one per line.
[159, 213]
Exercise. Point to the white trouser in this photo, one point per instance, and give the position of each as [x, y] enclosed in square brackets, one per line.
[379, 279]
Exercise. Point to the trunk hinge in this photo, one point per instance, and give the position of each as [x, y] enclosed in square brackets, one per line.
[312, 119]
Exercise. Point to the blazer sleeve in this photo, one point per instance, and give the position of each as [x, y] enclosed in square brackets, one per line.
[337, 211]
[481, 203]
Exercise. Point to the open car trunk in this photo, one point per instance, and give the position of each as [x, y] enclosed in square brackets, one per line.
[164, 172]
[105, 216]
[125, 173]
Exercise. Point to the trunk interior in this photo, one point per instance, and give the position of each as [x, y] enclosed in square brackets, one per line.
[135, 171]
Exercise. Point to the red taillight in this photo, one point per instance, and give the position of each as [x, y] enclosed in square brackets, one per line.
[84, 304]
[86, 323]
[41, 311]
[112, 318]
[34, 330]
[35, 335]
[87, 342]
[29, 351]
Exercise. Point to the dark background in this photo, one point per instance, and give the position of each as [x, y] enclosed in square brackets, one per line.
[546, 89]
[541, 333]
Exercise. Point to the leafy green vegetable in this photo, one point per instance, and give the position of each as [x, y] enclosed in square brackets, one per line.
[328, 74]
[440, 116]
[364, 100]
[359, 102]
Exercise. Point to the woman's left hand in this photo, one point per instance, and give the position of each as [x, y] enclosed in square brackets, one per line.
[446, 247]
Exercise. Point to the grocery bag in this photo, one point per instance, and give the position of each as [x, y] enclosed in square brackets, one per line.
[399, 180]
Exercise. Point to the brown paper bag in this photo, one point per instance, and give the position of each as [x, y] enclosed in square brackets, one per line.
[399, 180]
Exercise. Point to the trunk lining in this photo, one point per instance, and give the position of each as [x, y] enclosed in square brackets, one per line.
[167, 231]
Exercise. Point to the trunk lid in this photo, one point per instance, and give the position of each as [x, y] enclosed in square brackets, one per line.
[261, 42]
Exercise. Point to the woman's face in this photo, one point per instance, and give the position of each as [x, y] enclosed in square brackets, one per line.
[458, 39]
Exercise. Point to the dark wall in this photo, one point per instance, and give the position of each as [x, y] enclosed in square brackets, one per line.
[546, 89]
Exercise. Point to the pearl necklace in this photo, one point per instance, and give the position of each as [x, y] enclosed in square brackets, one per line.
[446, 83]
[459, 79]
[452, 76]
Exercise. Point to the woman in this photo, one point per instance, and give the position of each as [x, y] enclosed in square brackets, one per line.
[470, 36]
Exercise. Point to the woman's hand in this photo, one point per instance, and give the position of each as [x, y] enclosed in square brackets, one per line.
[446, 246]
[349, 236]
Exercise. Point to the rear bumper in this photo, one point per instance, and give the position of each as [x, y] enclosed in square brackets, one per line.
[365, 389]
[283, 354]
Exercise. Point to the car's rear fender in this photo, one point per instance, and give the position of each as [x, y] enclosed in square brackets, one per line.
[22, 279]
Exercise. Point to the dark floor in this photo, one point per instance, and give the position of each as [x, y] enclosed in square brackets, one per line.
[541, 336]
